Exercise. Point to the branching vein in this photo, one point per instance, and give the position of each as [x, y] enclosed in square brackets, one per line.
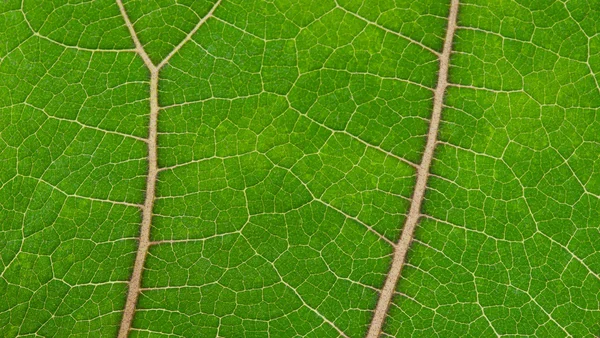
[144, 238]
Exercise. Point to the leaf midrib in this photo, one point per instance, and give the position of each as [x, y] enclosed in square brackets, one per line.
[408, 230]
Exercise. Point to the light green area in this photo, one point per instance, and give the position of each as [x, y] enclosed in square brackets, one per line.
[286, 137]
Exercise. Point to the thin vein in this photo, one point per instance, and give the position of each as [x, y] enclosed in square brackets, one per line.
[387, 30]
[86, 126]
[93, 199]
[410, 224]
[64, 45]
[314, 310]
[538, 231]
[83, 49]
[189, 36]
[354, 137]
[549, 314]
[340, 211]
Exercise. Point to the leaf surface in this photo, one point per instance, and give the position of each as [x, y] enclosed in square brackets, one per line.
[244, 168]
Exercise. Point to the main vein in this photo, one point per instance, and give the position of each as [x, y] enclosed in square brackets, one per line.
[135, 281]
[422, 176]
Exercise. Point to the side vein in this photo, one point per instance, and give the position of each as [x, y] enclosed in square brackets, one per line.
[189, 36]
[414, 214]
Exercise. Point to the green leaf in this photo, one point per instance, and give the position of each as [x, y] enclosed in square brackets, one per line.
[318, 168]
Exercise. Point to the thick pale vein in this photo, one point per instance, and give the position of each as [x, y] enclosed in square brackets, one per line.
[139, 48]
[422, 176]
[135, 282]
[144, 239]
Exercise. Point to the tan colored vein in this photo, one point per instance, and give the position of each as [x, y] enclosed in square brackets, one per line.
[414, 214]
[144, 237]
[139, 48]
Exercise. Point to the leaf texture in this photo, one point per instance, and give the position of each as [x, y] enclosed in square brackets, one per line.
[249, 168]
